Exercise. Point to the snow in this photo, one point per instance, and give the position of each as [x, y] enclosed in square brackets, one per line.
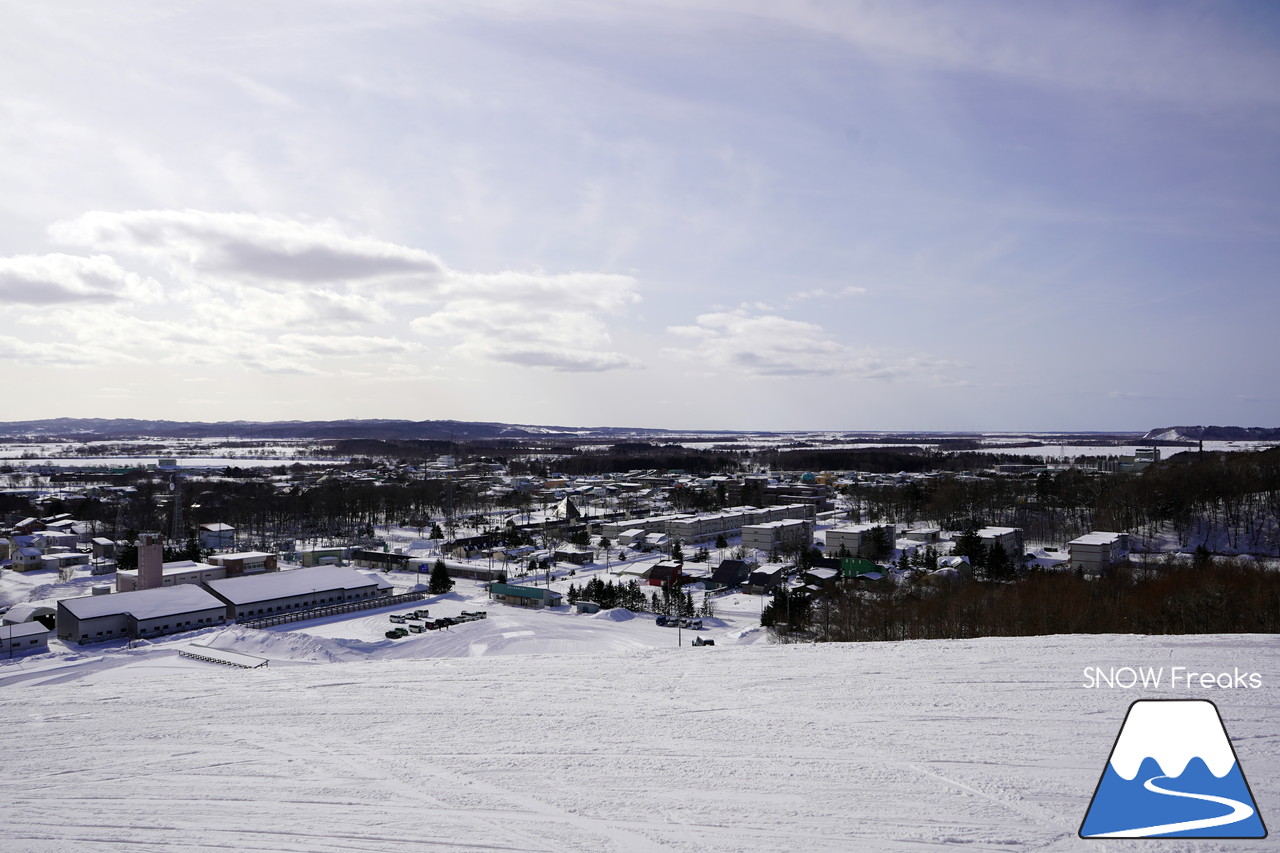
[262, 587]
[992, 744]
[145, 603]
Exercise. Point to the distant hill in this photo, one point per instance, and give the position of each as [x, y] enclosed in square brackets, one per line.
[87, 428]
[1213, 433]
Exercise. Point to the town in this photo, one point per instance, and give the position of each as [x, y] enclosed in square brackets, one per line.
[113, 554]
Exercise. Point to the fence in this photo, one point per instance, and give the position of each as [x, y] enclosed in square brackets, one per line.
[331, 610]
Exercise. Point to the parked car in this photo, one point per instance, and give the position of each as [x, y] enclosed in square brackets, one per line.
[420, 614]
[661, 621]
[397, 617]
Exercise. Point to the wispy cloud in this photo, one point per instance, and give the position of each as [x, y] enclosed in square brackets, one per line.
[768, 345]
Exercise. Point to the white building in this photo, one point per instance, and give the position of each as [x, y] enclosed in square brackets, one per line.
[855, 538]
[778, 535]
[217, 536]
[1008, 538]
[1098, 552]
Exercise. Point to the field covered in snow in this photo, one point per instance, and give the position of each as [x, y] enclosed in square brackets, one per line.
[555, 731]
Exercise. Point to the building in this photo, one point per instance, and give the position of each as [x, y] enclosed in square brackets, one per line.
[729, 573]
[857, 539]
[524, 596]
[386, 560]
[245, 563]
[763, 580]
[217, 536]
[1098, 552]
[267, 594]
[322, 556]
[23, 638]
[577, 556]
[103, 548]
[791, 533]
[666, 571]
[1008, 538]
[24, 558]
[923, 534]
[142, 614]
[172, 573]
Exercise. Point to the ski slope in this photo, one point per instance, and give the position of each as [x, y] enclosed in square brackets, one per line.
[339, 745]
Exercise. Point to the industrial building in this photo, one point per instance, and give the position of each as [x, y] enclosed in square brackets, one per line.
[300, 589]
[143, 613]
[524, 596]
[245, 563]
[23, 638]
[172, 573]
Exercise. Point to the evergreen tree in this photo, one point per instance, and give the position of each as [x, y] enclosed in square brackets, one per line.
[904, 561]
[708, 608]
[721, 542]
[440, 580]
[677, 553]
[999, 566]
[969, 544]
[572, 595]
[686, 604]
[436, 532]
[655, 605]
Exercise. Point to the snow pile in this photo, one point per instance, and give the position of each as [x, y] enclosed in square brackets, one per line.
[617, 614]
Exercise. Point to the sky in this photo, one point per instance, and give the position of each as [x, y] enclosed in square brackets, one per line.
[704, 214]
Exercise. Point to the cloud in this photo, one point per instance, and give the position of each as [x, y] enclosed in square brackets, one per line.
[58, 279]
[823, 293]
[249, 274]
[246, 247]
[775, 346]
[344, 345]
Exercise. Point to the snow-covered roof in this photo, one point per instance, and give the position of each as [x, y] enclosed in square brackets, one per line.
[216, 527]
[242, 555]
[996, 531]
[1097, 537]
[175, 567]
[144, 603]
[824, 574]
[244, 590]
[23, 629]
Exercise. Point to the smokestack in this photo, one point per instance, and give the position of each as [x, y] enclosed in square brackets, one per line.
[150, 560]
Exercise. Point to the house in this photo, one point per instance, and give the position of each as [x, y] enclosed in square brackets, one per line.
[852, 568]
[821, 578]
[141, 614]
[666, 571]
[577, 556]
[63, 559]
[729, 573]
[763, 579]
[26, 558]
[217, 536]
[245, 563]
[632, 535]
[267, 594]
[1098, 552]
[103, 548]
[524, 596]
[1008, 538]
[923, 534]
[23, 638]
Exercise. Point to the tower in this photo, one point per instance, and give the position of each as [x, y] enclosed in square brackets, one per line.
[150, 560]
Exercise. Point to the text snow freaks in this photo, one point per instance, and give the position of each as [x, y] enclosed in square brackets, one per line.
[1168, 678]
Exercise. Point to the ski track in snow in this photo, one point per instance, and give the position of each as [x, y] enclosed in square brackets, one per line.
[344, 744]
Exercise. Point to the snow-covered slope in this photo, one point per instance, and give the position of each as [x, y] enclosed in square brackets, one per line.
[987, 744]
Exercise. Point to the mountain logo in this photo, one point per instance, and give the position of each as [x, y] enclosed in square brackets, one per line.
[1172, 773]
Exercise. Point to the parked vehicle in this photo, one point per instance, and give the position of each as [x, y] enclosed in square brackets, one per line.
[396, 633]
[661, 621]
[417, 629]
[397, 617]
[420, 614]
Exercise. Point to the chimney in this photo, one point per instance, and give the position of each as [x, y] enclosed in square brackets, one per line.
[150, 560]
